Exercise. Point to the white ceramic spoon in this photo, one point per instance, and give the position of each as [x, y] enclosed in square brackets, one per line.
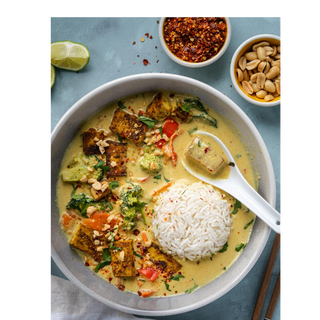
[238, 187]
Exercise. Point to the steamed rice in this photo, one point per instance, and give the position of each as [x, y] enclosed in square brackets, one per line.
[192, 220]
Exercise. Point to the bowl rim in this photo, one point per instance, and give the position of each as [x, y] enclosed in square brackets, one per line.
[233, 79]
[272, 195]
[192, 64]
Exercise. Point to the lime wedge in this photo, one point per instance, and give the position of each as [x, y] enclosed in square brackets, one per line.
[69, 55]
[53, 75]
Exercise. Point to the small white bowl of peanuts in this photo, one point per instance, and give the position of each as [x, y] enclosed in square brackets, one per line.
[255, 70]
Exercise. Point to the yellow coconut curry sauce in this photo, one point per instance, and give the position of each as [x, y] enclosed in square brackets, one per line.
[107, 234]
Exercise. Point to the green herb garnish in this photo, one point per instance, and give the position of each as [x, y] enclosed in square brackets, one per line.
[74, 190]
[224, 248]
[138, 255]
[101, 164]
[109, 205]
[199, 143]
[237, 156]
[186, 107]
[167, 180]
[161, 132]
[111, 244]
[236, 207]
[239, 247]
[167, 285]
[183, 192]
[148, 121]
[192, 289]
[193, 130]
[113, 185]
[106, 256]
[211, 256]
[119, 137]
[195, 104]
[212, 121]
[248, 224]
[158, 177]
[176, 277]
[224, 268]
[121, 105]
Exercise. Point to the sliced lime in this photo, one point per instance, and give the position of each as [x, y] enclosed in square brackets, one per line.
[51, 75]
[69, 55]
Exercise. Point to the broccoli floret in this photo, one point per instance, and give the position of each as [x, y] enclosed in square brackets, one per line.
[79, 167]
[81, 202]
[130, 218]
[131, 204]
[129, 194]
[150, 163]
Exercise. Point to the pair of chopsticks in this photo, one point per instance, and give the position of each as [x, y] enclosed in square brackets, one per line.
[265, 284]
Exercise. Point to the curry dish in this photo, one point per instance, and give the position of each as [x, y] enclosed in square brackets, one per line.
[112, 174]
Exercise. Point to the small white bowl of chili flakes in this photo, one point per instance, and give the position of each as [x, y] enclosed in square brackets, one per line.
[195, 42]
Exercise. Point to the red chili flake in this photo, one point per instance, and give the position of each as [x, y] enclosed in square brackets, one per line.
[138, 56]
[147, 35]
[145, 62]
[127, 160]
[139, 293]
[206, 150]
[134, 43]
[151, 37]
[136, 232]
[201, 199]
[171, 95]
[86, 264]
[157, 61]
[176, 292]
[110, 279]
[245, 170]
[179, 272]
[164, 294]
[121, 287]
[195, 39]
[156, 47]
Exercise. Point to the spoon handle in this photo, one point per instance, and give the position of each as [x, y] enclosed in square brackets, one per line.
[252, 200]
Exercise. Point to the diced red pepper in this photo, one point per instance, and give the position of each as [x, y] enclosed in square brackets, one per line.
[170, 127]
[150, 273]
[159, 144]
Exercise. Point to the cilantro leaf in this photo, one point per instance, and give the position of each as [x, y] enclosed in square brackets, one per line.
[158, 177]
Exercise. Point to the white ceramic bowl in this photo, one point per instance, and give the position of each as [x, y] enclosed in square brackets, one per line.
[244, 47]
[70, 263]
[192, 64]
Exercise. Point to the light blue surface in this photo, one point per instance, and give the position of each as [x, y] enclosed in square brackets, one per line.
[113, 55]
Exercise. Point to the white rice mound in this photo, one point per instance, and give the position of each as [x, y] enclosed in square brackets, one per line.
[191, 220]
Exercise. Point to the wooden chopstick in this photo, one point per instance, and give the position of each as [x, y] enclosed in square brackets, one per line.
[273, 301]
[266, 278]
